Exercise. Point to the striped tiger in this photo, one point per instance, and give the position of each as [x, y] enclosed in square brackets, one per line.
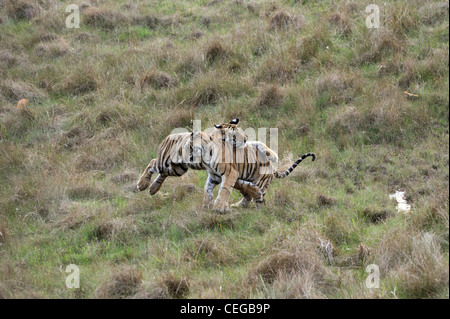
[262, 172]
[179, 152]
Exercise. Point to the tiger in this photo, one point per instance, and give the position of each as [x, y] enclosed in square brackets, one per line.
[250, 169]
[252, 162]
[261, 173]
[176, 155]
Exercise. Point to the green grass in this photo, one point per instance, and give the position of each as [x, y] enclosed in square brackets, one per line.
[69, 162]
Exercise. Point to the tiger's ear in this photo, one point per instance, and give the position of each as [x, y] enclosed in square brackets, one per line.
[218, 126]
[234, 121]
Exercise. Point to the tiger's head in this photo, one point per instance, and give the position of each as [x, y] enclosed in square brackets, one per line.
[230, 133]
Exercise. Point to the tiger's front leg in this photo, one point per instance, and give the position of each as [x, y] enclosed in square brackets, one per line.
[211, 183]
[221, 204]
[144, 180]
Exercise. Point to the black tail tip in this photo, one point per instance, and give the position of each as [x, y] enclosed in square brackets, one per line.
[313, 156]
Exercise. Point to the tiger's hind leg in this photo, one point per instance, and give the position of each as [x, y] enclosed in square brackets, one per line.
[144, 180]
[249, 191]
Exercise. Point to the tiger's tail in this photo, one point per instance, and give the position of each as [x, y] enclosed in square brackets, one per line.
[290, 169]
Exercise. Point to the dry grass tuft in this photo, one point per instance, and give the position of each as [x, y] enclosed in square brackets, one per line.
[300, 261]
[382, 43]
[375, 216]
[282, 20]
[433, 13]
[215, 52]
[415, 261]
[324, 200]
[208, 251]
[283, 198]
[7, 59]
[53, 49]
[176, 287]
[14, 91]
[341, 22]
[22, 9]
[125, 283]
[80, 81]
[157, 80]
[270, 96]
[103, 18]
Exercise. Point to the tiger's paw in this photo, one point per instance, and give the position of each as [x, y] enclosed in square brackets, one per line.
[143, 183]
[221, 207]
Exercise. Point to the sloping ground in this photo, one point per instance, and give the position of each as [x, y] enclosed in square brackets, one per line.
[371, 104]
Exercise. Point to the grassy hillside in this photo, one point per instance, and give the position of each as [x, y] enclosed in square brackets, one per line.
[102, 97]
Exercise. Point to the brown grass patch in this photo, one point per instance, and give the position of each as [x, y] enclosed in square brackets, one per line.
[215, 51]
[80, 81]
[53, 49]
[282, 20]
[103, 18]
[414, 261]
[22, 9]
[157, 80]
[111, 229]
[382, 43]
[125, 283]
[283, 198]
[285, 263]
[14, 91]
[324, 200]
[341, 22]
[176, 287]
[433, 13]
[270, 95]
[7, 59]
[375, 216]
